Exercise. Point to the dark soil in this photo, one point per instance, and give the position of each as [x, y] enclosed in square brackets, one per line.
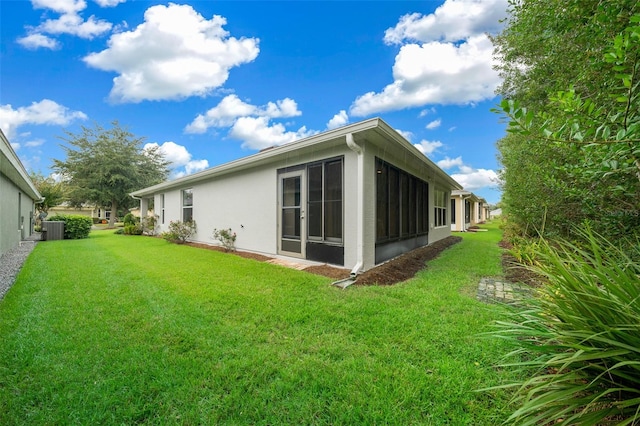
[402, 267]
[514, 272]
[405, 266]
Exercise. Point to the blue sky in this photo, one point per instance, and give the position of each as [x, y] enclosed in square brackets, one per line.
[213, 81]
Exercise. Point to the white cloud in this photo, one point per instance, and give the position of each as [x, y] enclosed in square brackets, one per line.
[338, 120]
[426, 112]
[36, 41]
[454, 20]
[109, 3]
[175, 53]
[408, 135]
[473, 179]
[448, 163]
[260, 133]
[60, 6]
[434, 124]
[34, 143]
[428, 147]
[73, 24]
[179, 158]
[249, 123]
[445, 58]
[436, 73]
[45, 112]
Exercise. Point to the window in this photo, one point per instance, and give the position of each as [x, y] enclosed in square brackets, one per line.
[439, 208]
[402, 202]
[453, 211]
[467, 211]
[187, 205]
[162, 208]
[324, 201]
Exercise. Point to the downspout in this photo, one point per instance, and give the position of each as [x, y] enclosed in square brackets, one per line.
[359, 205]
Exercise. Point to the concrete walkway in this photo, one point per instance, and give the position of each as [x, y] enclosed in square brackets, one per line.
[496, 290]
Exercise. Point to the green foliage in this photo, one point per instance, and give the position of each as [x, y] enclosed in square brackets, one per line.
[580, 339]
[130, 219]
[51, 190]
[119, 231]
[104, 165]
[226, 237]
[179, 232]
[75, 226]
[148, 224]
[571, 153]
[133, 229]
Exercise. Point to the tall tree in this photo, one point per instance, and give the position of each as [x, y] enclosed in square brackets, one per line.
[103, 166]
[52, 191]
[570, 72]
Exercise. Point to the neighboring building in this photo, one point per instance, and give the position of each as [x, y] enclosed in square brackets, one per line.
[18, 196]
[354, 196]
[465, 209]
[495, 213]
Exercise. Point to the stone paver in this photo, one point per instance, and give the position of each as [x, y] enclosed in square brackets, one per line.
[500, 291]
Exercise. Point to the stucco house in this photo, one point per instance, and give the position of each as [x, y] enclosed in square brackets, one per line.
[354, 197]
[18, 196]
[465, 209]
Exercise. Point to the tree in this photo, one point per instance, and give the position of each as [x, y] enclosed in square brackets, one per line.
[570, 93]
[52, 191]
[104, 165]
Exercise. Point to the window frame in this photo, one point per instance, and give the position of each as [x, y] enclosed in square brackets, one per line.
[324, 204]
[402, 204]
[439, 208]
[184, 205]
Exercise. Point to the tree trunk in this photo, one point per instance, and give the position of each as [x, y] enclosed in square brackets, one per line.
[114, 212]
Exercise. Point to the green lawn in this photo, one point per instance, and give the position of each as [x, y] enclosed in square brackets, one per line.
[122, 330]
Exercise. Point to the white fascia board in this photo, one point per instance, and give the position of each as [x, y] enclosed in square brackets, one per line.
[260, 158]
[12, 167]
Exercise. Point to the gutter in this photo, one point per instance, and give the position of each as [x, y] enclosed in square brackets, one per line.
[359, 150]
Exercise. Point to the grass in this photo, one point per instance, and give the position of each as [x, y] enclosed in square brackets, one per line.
[123, 330]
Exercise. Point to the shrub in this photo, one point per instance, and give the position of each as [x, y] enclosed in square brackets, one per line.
[75, 226]
[133, 229]
[130, 219]
[148, 224]
[179, 232]
[581, 337]
[119, 231]
[226, 237]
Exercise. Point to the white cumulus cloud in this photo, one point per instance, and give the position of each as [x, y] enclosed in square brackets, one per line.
[338, 120]
[428, 147]
[180, 159]
[36, 40]
[74, 24]
[259, 132]
[473, 179]
[174, 54]
[448, 163]
[45, 112]
[252, 124]
[109, 3]
[445, 58]
[60, 6]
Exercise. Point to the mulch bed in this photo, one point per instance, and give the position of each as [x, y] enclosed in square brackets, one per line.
[405, 266]
[401, 268]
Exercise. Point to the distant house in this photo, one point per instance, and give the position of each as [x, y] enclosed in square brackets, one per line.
[354, 197]
[466, 209]
[18, 196]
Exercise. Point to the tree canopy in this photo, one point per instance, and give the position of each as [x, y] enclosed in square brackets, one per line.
[103, 166]
[52, 191]
[571, 72]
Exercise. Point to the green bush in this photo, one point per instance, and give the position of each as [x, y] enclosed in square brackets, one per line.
[75, 226]
[134, 229]
[119, 231]
[179, 232]
[130, 219]
[226, 237]
[579, 340]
